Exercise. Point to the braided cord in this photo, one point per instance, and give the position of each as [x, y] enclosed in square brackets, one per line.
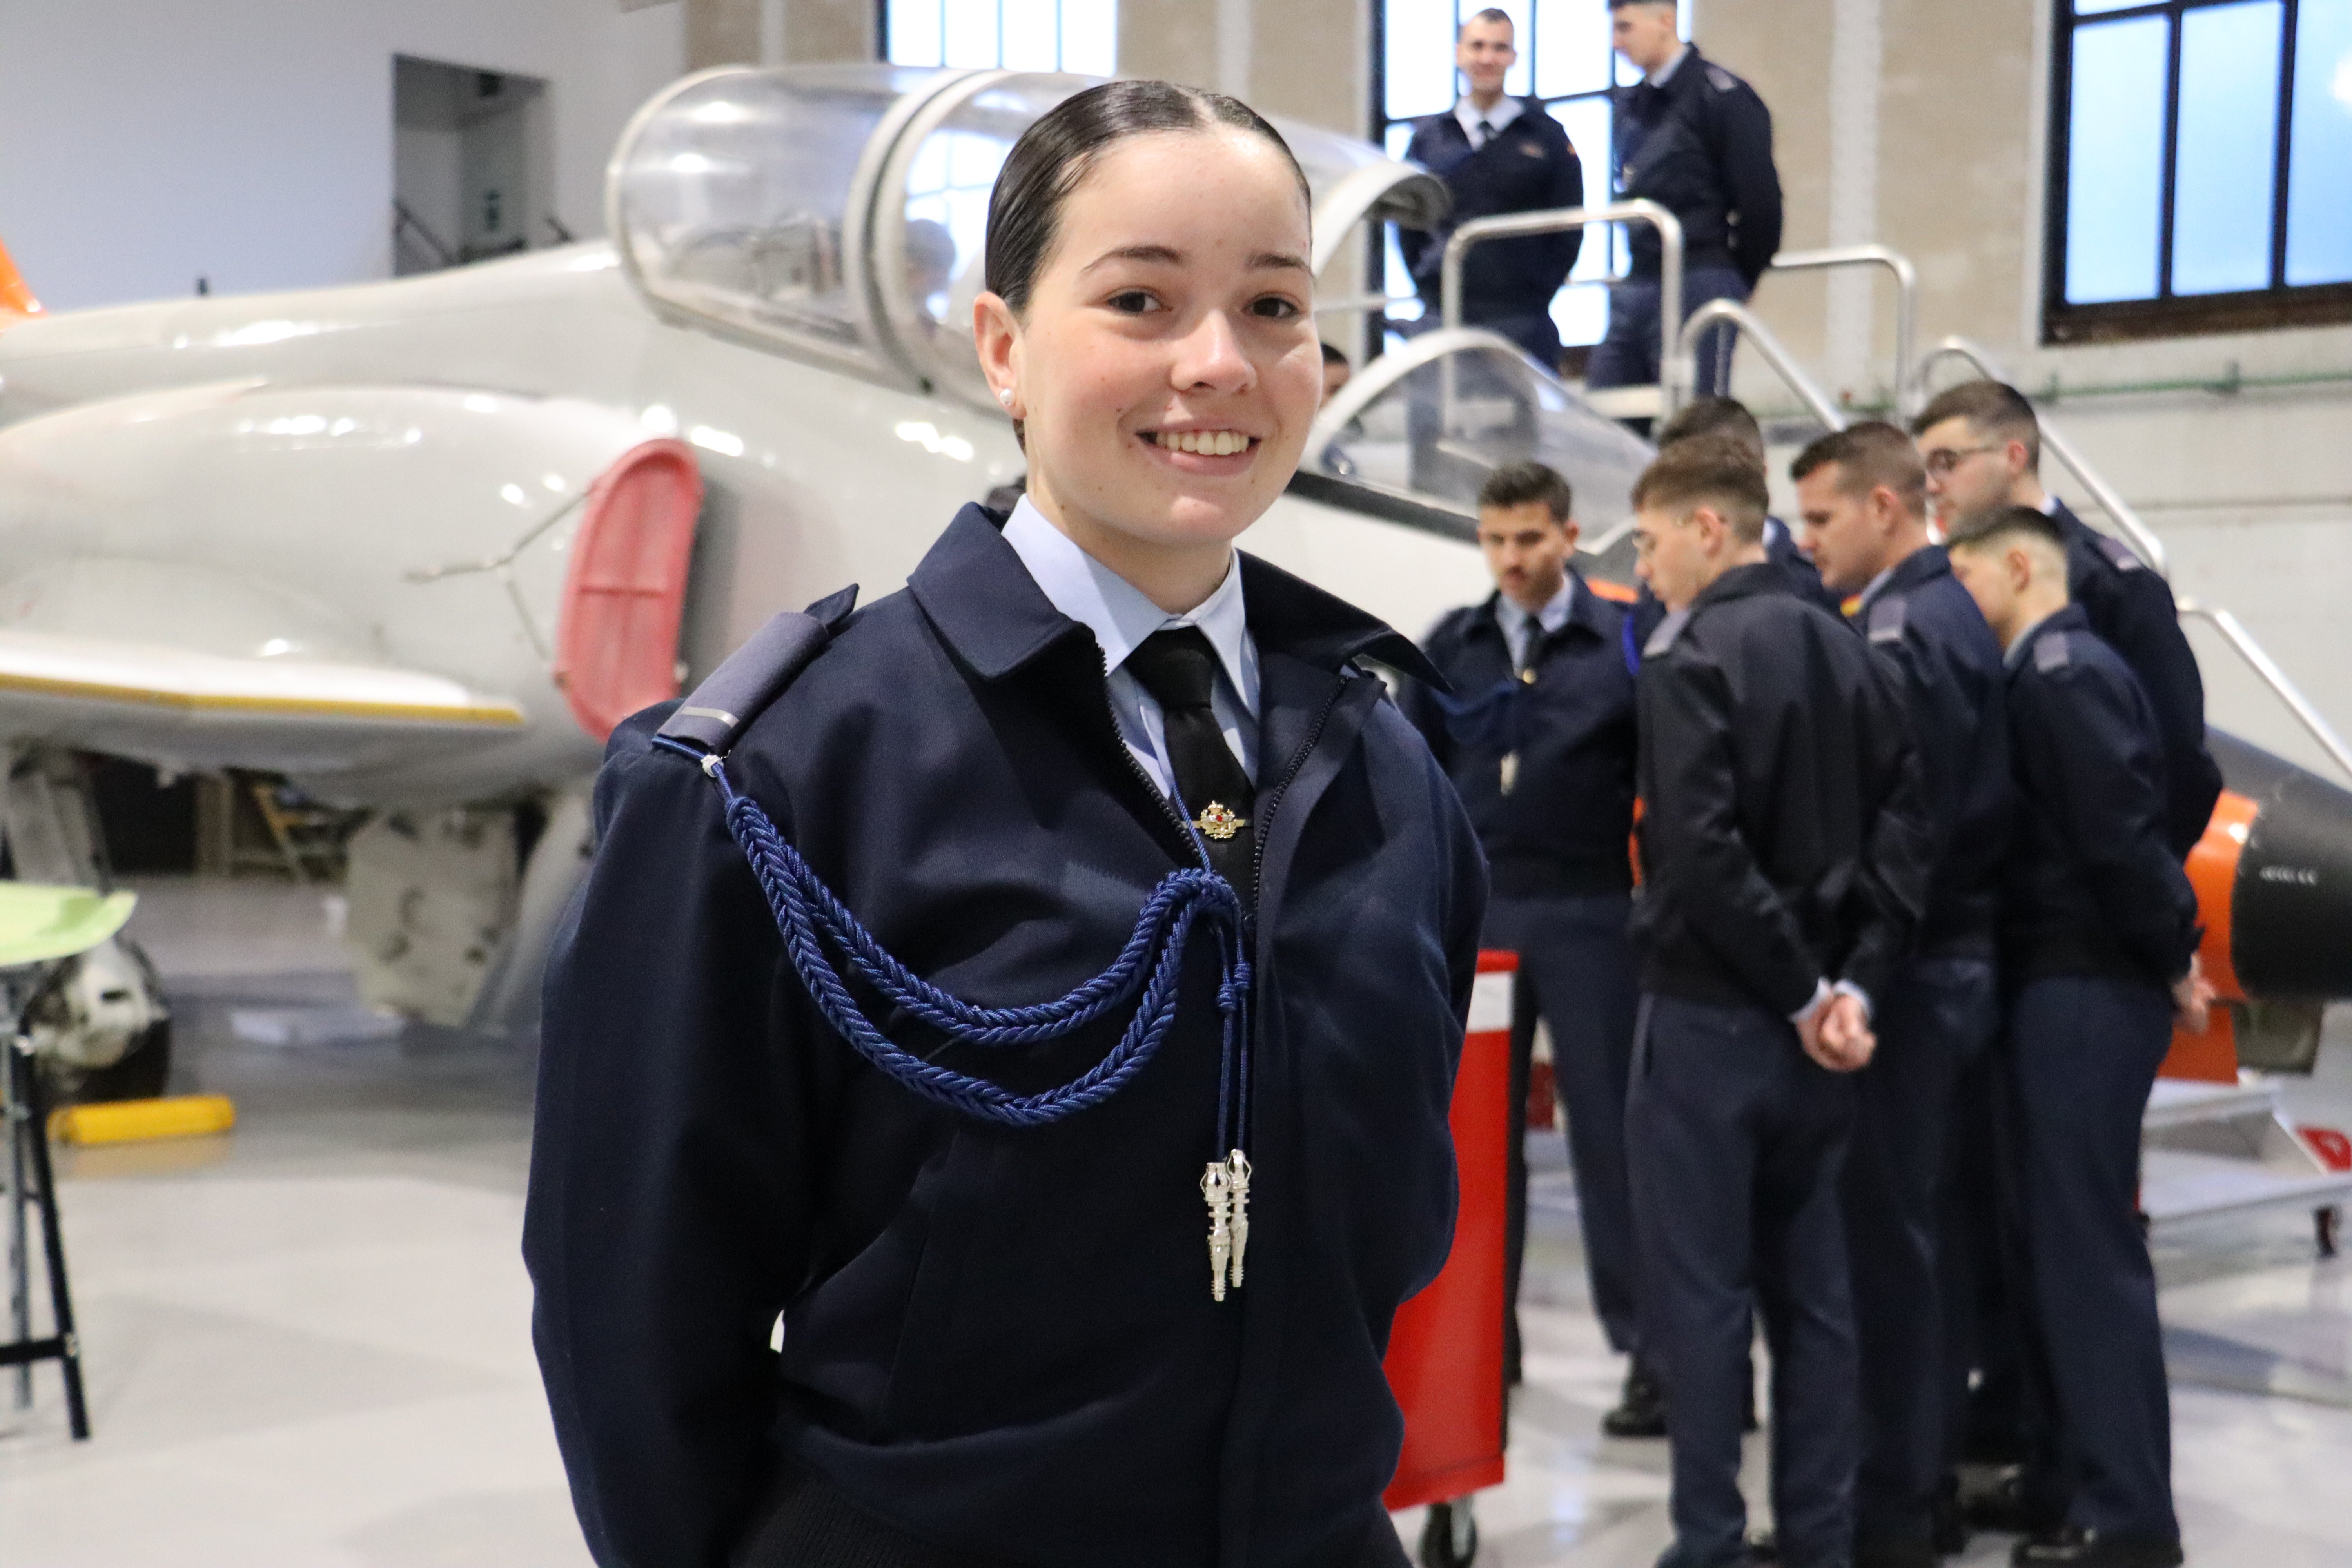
[1150, 963]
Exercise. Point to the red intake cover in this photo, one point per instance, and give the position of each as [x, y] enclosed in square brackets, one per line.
[616, 633]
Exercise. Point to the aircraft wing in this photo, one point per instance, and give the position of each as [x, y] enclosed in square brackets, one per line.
[177, 706]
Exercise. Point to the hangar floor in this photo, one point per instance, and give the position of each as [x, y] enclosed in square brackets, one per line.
[308, 1343]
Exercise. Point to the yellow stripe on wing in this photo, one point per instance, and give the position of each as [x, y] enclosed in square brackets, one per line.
[502, 715]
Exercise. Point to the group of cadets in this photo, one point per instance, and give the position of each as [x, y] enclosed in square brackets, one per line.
[1863, 1055]
[1689, 135]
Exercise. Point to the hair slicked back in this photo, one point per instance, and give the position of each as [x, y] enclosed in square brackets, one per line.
[1707, 470]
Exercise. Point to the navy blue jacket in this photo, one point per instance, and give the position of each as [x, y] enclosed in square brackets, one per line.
[2131, 609]
[1566, 824]
[1949, 663]
[1701, 147]
[1783, 838]
[1527, 166]
[1000, 1341]
[2093, 887]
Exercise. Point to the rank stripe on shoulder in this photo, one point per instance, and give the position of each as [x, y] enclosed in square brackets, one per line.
[2050, 652]
[1886, 621]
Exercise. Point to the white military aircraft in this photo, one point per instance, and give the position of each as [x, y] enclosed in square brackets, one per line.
[418, 545]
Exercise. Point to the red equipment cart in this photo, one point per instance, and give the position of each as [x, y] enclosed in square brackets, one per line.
[1445, 1353]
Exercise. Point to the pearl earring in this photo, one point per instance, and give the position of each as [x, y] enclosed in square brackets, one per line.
[1005, 395]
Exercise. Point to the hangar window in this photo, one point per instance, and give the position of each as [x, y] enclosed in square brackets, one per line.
[1077, 35]
[1565, 60]
[2200, 167]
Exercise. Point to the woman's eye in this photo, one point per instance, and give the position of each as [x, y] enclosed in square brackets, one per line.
[1131, 301]
[1274, 308]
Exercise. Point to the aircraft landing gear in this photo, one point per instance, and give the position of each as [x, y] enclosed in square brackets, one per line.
[2325, 1224]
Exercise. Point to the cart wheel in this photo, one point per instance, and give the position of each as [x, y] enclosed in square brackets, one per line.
[1450, 1539]
[2325, 1224]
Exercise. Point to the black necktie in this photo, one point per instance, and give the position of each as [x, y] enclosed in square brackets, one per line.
[1486, 133]
[1179, 669]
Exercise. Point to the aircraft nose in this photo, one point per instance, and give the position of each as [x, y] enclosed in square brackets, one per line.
[2291, 925]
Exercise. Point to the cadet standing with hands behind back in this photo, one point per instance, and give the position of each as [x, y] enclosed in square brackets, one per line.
[1782, 847]
[1697, 141]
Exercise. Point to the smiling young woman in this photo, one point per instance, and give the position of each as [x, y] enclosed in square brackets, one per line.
[1095, 753]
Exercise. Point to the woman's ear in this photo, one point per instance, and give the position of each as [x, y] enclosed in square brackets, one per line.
[995, 337]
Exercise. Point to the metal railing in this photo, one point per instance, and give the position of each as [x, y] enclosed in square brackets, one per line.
[1731, 312]
[1673, 366]
[2151, 549]
[1907, 299]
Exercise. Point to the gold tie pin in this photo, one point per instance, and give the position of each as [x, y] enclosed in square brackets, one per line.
[1220, 822]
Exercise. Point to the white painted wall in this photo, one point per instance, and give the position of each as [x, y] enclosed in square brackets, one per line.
[143, 144]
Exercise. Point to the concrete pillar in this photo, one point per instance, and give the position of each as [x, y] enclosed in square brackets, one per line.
[829, 30]
[722, 33]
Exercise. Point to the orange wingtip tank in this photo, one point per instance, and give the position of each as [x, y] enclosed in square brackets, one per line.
[15, 299]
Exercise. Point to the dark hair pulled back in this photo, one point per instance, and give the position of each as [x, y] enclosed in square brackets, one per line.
[1025, 210]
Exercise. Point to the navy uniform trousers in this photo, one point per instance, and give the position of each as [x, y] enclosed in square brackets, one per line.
[1627, 355]
[1736, 1140]
[1576, 968]
[1938, 1020]
[2081, 1056]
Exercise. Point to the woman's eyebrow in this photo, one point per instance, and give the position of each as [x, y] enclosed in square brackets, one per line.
[1169, 256]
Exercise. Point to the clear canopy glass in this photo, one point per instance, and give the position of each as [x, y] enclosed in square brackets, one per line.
[1442, 427]
[736, 198]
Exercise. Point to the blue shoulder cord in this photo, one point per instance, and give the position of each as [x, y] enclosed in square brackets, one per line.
[809, 916]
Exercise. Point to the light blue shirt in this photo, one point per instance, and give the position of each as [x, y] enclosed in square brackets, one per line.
[1517, 623]
[1120, 617]
[1507, 108]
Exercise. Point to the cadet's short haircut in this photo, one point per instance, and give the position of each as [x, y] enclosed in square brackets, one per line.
[1620, 4]
[1707, 470]
[1996, 526]
[1517, 484]
[1991, 408]
[1334, 355]
[1869, 454]
[1491, 14]
[1719, 416]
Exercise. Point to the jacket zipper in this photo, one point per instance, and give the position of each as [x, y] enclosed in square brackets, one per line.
[1118, 737]
[1297, 762]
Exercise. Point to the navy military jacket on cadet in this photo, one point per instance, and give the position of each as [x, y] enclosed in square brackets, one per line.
[1000, 1341]
[1701, 147]
[1780, 548]
[1948, 661]
[1783, 839]
[2131, 609]
[2092, 886]
[1526, 166]
[1564, 826]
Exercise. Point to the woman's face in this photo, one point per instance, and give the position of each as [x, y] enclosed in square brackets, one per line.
[1167, 367]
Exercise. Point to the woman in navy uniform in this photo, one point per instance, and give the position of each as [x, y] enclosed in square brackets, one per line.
[1031, 1343]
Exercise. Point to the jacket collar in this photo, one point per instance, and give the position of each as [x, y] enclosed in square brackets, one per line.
[1921, 567]
[2068, 618]
[1744, 583]
[991, 611]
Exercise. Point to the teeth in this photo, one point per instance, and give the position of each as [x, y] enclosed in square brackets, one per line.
[1207, 443]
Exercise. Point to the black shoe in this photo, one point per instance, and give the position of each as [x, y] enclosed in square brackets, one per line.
[1641, 1410]
[2010, 1509]
[2072, 1546]
[1894, 1551]
[1748, 1415]
[1764, 1546]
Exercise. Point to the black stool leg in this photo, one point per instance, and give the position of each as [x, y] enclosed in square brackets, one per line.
[53, 1241]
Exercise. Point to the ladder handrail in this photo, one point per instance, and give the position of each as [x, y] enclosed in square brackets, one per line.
[2143, 540]
[1906, 298]
[1776, 354]
[2242, 643]
[1562, 220]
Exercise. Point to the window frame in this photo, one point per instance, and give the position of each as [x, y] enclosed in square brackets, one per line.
[882, 37]
[2278, 304]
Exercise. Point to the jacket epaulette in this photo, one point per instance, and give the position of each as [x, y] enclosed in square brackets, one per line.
[748, 680]
[2050, 652]
[1886, 618]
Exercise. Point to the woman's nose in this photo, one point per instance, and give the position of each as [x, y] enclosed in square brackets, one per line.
[1211, 356]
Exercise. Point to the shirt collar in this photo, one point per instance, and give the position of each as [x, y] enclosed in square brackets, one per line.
[1507, 108]
[1117, 611]
[1551, 617]
[1666, 73]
